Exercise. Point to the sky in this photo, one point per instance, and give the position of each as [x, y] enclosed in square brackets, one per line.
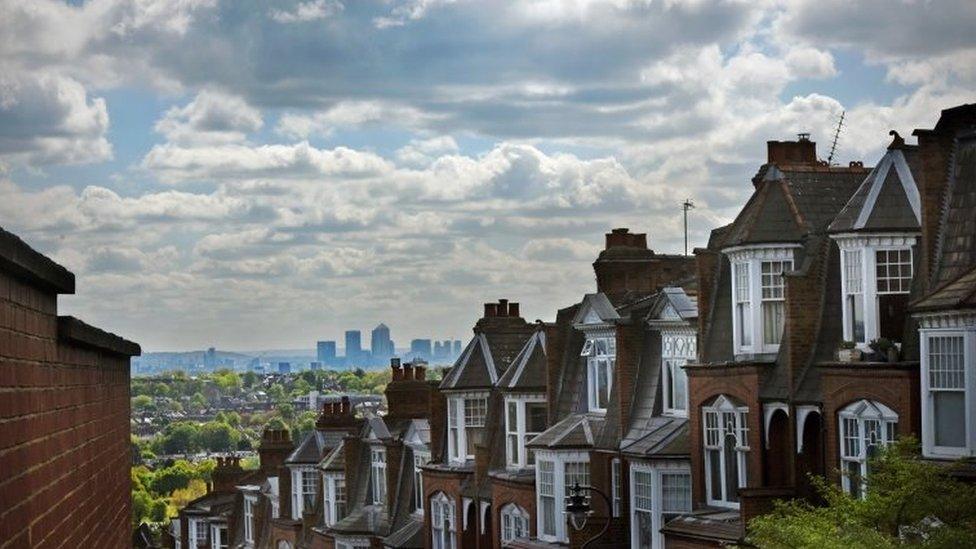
[251, 174]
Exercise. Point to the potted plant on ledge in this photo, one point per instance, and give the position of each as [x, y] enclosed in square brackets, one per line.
[883, 350]
[848, 352]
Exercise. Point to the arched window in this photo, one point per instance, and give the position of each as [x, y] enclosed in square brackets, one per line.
[865, 426]
[282, 544]
[442, 529]
[726, 447]
[515, 523]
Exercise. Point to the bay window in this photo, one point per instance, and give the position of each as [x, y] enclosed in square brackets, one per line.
[465, 422]
[556, 474]
[515, 523]
[876, 277]
[377, 474]
[197, 534]
[218, 536]
[303, 490]
[677, 348]
[601, 355]
[658, 493]
[758, 297]
[865, 427]
[442, 527]
[525, 418]
[334, 490]
[726, 449]
[948, 382]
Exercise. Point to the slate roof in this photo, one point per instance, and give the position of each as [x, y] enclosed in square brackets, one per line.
[888, 199]
[722, 525]
[956, 294]
[334, 460]
[314, 446]
[596, 307]
[957, 235]
[573, 431]
[411, 534]
[790, 202]
[528, 370]
[474, 369]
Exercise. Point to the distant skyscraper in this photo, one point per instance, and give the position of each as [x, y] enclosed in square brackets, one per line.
[326, 352]
[354, 345]
[380, 343]
[420, 348]
[315, 365]
[284, 367]
[457, 347]
[210, 359]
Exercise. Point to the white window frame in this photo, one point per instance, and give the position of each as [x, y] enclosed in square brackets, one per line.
[250, 503]
[862, 424]
[333, 486]
[419, 460]
[747, 302]
[517, 435]
[866, 247]
[443, 509]
[657, 474]
[298, 491]
[677, 348]
[458, 422]
[218, 537]
[377, 473]
[600, 351]
[561, 485]
[343, 542]
[714, 431]
[948, 325]
[195, 527]
[514, 520]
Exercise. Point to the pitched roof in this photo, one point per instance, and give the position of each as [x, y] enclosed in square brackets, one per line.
[888, 199]
[573, 431]
[528, 370]
[474, 369]
[596, 308]
[660, 436]
[956, 294]
[314, 446]
[673, 303]
[790, 202]
[957, 235]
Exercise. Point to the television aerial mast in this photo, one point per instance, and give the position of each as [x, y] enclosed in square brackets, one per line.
[833, 145]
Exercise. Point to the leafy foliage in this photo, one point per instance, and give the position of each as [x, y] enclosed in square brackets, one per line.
[908, 502]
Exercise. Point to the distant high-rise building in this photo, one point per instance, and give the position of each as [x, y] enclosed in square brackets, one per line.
[420, 348]
[457, 347]
[380, 343]
[284, 367]
[326, 352]
[315, 365]
[354, 345]
[210, 359]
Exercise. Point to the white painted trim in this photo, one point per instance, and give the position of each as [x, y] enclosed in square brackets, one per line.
[656, 470]
[769, 409]
[802, 412]
[878, 175]
[929, 449]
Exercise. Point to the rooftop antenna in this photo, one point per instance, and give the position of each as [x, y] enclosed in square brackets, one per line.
[688, 204]
[833, 145]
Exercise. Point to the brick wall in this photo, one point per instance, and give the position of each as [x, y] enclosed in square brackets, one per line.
[707, 262]
[449, 483]
[64, 414]
[504, 492]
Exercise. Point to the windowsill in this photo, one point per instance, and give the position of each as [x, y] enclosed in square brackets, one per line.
[683, 414]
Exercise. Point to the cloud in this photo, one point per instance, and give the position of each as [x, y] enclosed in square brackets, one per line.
[47, 118]
[304, 12]
[211, 117]
[352, 114]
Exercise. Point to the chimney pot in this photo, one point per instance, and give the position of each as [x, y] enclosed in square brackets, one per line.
[490, 310]
[513, 309]
[395, 367]
[502, 308]
[407, 371]
[420, 372]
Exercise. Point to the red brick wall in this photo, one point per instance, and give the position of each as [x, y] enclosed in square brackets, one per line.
[505, 492]
[740, 382]
[450, 484]
[895, 386]
[64, 431]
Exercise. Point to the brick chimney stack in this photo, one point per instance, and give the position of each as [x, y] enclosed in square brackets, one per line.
[226, 474]
[792, 153]
[408, 393]
[275, 446]
[627, 265]
[502, 309]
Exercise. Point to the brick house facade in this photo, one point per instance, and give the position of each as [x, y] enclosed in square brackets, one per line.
[64, 414]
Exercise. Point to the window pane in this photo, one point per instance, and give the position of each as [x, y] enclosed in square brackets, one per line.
[855, 313]
[894, 271]
[950, 418]
[645, 530]
[744, 312]
[603, 383]
[679, 385]
[773, 320]
[535, 417]
[675, 492]
[731, 469]
[715, 473]
[946, 364]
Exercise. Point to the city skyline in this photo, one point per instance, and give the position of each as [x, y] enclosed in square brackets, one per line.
[244, 175]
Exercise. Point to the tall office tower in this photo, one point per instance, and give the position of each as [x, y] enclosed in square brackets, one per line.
[315, 365]
[420, 348]
[457, 348]
[284, 367]
[354, 346]
[210, 359]
[326, 352]
[380, 343]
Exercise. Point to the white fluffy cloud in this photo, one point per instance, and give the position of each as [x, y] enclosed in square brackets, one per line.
[304, 12]
[212, 117]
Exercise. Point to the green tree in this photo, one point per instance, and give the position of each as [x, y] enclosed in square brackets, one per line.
[174, 477]
[217, 437]
[198, 401]
[277, 393]
[142, 403]
[249, 379]
[180, 438]
[908, 502]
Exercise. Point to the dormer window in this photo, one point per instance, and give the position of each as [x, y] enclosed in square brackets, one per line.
[758, 297]
[465, 422]
[876, 277]
[378, 474]
[304, 481]
[601, 354]
[677, 348]
[525, 418]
